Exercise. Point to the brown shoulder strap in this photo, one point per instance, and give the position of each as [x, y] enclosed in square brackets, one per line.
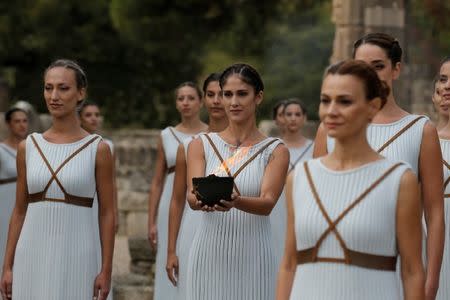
[222, 161]
[332, 225]
[300, 157]
[399, 133]
[254, 156]
[54, 173]
[174, 135]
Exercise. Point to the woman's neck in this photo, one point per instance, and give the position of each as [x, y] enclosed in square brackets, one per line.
[293, 138]
[243, 134]
[217, 125]
[13, 141]
[67, 126]
[390, 112]
[442, 122]
[191, 125]
[351, 153]
[444, 131]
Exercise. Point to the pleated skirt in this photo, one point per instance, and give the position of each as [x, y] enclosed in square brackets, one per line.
[7, 201]
[56, 254]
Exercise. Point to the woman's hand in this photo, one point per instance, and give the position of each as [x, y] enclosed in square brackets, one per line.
[102, 286]
[227, 205]
[153, 236]
[6, 285]
[172, 268]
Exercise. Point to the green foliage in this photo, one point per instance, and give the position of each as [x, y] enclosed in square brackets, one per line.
[137, 51]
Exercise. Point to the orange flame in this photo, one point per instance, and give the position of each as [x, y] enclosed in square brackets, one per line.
[239, 155]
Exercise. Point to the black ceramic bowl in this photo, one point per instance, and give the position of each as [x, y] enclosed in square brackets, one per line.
[211, 189]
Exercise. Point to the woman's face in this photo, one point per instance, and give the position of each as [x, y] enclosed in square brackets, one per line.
[240, 100]
[344, 109]
[18, 125]
[61, 92]
[280, 120]
[90, 118]
[295, 118]
[188, 102]
[440, 106]
[444, 85]
[376, 57]
[213, 101]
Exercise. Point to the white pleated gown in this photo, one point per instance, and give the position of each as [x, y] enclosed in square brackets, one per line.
[232, 253]
[369, 227]
[7, 193]
[278, 217]
[164, 289]
[444, 280]
[56, 254]
[406, 148]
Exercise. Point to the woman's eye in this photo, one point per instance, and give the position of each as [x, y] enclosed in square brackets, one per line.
[345, 101]
[210, 95]
[378, 67]
[325, 100]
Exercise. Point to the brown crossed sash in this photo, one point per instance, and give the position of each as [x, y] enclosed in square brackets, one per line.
[447, 181]
[224, 164]
[172, 168]
[351, 257]
[12, 179]
[68, 198]
[399, 133]
[299, 158]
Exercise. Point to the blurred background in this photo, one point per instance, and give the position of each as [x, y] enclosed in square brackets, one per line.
[137, 51]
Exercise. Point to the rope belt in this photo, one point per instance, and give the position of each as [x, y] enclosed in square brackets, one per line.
[8, 180]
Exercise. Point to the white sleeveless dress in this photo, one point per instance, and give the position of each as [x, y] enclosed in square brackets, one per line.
[164, 289]
[8, 174]
[278, 217]
[56, 254]
[188, 227]
[444, 281]
[232, 253]
[369, 228]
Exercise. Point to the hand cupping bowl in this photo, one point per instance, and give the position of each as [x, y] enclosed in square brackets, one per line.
[211, 189]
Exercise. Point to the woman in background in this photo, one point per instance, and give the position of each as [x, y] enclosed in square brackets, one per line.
[441, 107]
[444, 136]
[16, 120]
[401, 136]
[178, 215]
[352, 212]
[188, 101]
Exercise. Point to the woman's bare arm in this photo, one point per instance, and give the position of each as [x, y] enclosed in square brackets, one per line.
[409, 237]
[177, 203]
[105, 191]
[156, 188]
[288, 264]
[430, 175]
[195, 164]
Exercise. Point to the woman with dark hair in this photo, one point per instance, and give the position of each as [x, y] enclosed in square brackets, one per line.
[231, 256]
[398, 135]
[16, 120]
[444, 136]
[300, 149]
[188, 103]
[184, 222]
[51, 251]
[278, 116]
[441, 107]
[352, 212]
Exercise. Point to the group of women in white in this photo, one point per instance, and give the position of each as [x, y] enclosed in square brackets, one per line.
[360, 213]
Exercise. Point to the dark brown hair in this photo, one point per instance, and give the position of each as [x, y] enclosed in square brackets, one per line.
[279, 104]
[373, 86]
[11, 111]
[295, 101]
[246, 73]
[190, 84]
[211, 78]
[389, 44]
[80, 75]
